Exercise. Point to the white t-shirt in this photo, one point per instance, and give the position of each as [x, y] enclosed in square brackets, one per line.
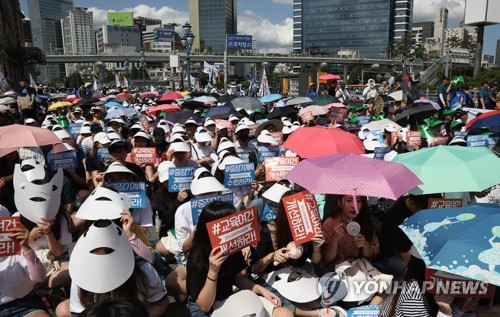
[199, 153]
[143, 216]
[183, 223]
[15, 281]
[88, 145]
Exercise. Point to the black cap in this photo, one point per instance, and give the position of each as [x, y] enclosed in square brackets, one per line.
[159, 134]
[116, 146]
[95, 127]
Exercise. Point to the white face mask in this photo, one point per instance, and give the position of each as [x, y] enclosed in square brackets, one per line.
[33, 170]
[37, 201]
[103, 203]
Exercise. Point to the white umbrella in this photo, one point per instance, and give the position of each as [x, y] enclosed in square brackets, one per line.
[381, 124]
[298, 101]
[397, 95]
[7, 100]
[205, 99]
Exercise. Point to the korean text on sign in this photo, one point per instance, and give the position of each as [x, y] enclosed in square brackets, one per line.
[303, 216]
[237, 175]
[437, 203]
[136, 191]
[380, 152]
[267, 152]
[144, 155]
[9, 246]
[103, 155]
[477, 140]
[337, 114]
[413, 138]
[62, 160]
[179, 178]
[278, 167]
[197, 204]
[235, 232]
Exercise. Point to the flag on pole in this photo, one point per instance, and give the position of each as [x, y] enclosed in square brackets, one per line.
[151, 88]
[117, 81]
[264, 85]
[409, 87]
[125, 81]
[207, 68]
[96, 86]
[32, 82]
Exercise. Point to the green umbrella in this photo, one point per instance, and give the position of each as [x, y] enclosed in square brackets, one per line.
[450, 169]
[323, 100]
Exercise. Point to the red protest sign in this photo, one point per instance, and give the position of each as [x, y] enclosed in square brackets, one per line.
[303, 216]
[307, 116]
[223, 124]
[440, 140]
[413, 138]
[144, 155]
[145, 123]
[9, 246]
[235, 232]
[278, 136]
[446, 283]
[437, 203]
[278, 167]
[338, 114]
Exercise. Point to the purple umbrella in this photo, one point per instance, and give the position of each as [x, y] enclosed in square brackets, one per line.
[350, 174]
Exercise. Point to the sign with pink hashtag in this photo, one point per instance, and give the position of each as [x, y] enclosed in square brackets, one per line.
[437, 203]
[235, 232]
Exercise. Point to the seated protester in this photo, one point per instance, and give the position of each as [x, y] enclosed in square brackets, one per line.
[160, 141]
[111, 276]
[239, 193]
[341, 246]
[201, 151]
[178, 152]
[120, 127]
[135, 128]
[190, 126]
[220, 135]
[245, 150]
[84, 132]
[94, 164]
[211, 274]
[209, 125]
[116, 307]
[141, 140]
[18, 274]
[224, 145]
[88, 142]
[118, 153]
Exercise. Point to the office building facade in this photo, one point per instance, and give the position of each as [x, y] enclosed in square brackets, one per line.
[497, 54]
[297, 26]
[402, 19]
[440, 26]
[422, 31]
[211, 20]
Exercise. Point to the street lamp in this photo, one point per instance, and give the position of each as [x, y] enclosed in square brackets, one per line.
[187, 42]
[142, 59]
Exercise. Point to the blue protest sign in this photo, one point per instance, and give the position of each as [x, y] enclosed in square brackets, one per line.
[179, 178]
[74, 128]
[477, 140]
[365, 311]
[462, 134]
[237, 175]
[239, 42]
[380, 152]
[103, 154]
[197, 204]
[62, 160]
[362, 120]
[135, 190]
[492, 141]
[268, 214]
[376, 134]
[267, 152]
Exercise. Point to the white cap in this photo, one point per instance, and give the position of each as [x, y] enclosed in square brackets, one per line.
[202, 136]
[266, 137]
[117, 167]
[391, 128]
[62, 134]
[246, 121]
[102, 138]
[361, 135]
[163, 170]
[228, 159]
[142, 134]
[29, 121]
[286, 130]
[233, 118]
[209, 122]
[190, 121]
[178, 129]
[371, 143]
[179, 146]
[241, 126]
[114, 136]
[205, 185]
[403, 133]
[225, 144]
[85, 129]
[117, 120]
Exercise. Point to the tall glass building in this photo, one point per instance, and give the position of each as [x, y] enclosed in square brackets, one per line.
[211, 20]
[365, 27]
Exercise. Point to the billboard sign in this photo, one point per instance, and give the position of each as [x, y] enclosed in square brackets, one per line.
[239, 42]
[121, 18]
[161, 46]
[164, 35]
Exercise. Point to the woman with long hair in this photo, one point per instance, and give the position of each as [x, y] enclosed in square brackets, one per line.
[212, 274]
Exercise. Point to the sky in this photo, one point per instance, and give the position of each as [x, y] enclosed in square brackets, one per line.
[269, 21]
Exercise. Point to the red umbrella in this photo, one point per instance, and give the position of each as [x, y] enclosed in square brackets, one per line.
[488, 119]
[330, 77]
[15, 136]
[165, 107]
[124, 95]
[172, 95]
[149, 94]
[319, 141]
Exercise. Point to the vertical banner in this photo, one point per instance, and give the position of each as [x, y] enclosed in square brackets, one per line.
[9, 246]
[235, 232]
[303, 216]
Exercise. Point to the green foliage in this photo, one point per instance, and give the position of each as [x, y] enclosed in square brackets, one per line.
[134, 73]
[355, 76]
[245, 84]
[75, 80]
[219, 84]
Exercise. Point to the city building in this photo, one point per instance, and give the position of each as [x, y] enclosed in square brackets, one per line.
[488, 61]
[497, 54]
[403, 14]
[78, 35]
[45, 16]
[142, 22]
[440, 26]
[422, 31]
[27, 37]
[458, 33]
[297, 26]
[367, 28]
[211, 20]
[115, 38]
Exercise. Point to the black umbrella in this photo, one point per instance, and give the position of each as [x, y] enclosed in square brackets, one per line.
[415, 112]
[198, 94]
[281, 112]
[225, 98]
[182, 116]
[222, 112]
[247, 103]
[89, 100]
[193, 104]
[214, 94]
[385, 98]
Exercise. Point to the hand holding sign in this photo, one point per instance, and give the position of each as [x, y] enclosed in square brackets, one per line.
[216, 258]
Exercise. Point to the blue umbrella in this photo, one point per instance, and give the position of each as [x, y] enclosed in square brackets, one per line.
[221, 112]
[111, 104]
[271, 98]
[463, 241]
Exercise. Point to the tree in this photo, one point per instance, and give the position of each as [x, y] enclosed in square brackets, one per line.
[75, 80]
[219, 84]
[134, 73]
[355, 76]
[245, 84]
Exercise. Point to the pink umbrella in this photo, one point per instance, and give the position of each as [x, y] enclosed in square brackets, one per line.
[172, 95]
[15, 136]
[335, 105]
[164, 107]
[149, 94]
[315, 110]
[349, 174]
[330, 77]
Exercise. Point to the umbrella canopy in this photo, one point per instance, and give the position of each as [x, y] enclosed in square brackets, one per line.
[330, 77]
[271, 98]
[164, 107]
[181, 116]
[89, 100]
[347, 174]
[315, 110]
[7, 100]
[385, 98]
[172, 95]
[149, 94]
[111, 104]
[58, 95]
[323, 100]
[206, 99]
[319, 141]
[222, 112]
[120, 112]
[15, 136]
[124, 95]
[416, 111]
[450, 169]
[298, 101]
[247, 103]
[59, 104]
[225, 98]
[462, 241]
[281, 112]
[397, 95]
[71, 98]
[191, 104]
[381, 124]
[490, 119]
[184, 93]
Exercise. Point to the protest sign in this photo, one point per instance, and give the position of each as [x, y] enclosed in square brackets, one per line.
[440, 140]
[103, 155]
[268, 214]
[338, 114]
[223, 124]
[144, 155]
[303, 216]
[267, 152]
[492, 141]
[237, 175]
[9, 246]
[307, 116]
[145, 124]
[441, 282]
[437, 203]
[477, 140]
[362, 120]
[197, 204]
[136, 191]
[377, 134]
[278, 167]
[74, 128]
[278, 136]
[62, 160]
[380, 152]
[179, 178]
[235, 232]
[364, 311]
[413, 138]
